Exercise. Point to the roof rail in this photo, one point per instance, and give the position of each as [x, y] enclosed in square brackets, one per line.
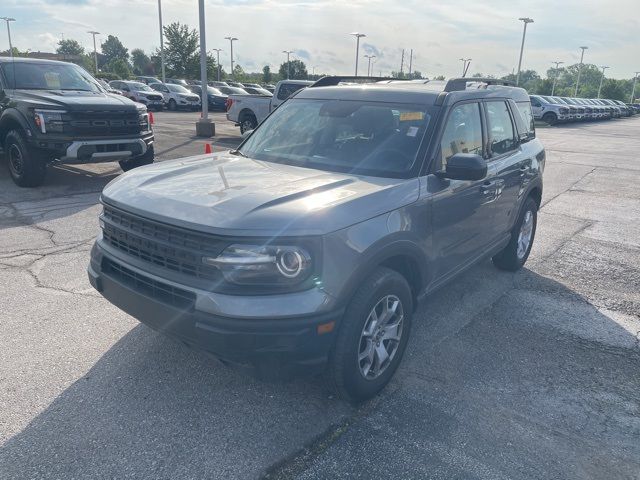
[457, 84]
[330, 81]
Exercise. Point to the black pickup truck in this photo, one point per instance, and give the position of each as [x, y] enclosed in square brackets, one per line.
[57, 112]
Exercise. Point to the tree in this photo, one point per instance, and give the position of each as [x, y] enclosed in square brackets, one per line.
[266, 74]
[69, 47]
[238, 73]
[112, 49]
[181, 52]
[142, 64]
[120, 67]
[615, 90]
[297, 70]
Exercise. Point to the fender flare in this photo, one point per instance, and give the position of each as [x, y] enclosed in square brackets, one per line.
[12, 116]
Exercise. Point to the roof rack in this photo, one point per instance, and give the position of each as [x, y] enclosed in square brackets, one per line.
[330, 81]
[457, 84]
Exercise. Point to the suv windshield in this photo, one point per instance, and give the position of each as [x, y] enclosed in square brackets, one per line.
[368, 138]
[48, 76]
[176, 88]
[139, 87]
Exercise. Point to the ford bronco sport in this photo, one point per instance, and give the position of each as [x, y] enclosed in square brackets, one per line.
[310, 245]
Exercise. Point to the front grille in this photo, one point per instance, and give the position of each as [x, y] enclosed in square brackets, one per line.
[162, 292]
[105, 123]
[154, 97]
[171, 248]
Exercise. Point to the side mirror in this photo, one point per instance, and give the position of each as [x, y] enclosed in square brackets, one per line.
[465, 166]
[525, 137]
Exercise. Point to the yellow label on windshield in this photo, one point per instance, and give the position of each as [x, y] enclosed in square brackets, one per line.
[410, 116]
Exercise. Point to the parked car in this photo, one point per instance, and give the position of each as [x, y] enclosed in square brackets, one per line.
[107, 87]
[251, 85]
[308, 247]
[248, 112]
[139, 92]
[626, 111]
[216, 99]
[57, 112]
[257, 91]
[218, 84]
[616, 111]
[548, 110]
[176, 96]
[177, 81]
[148, 80]
[235, 84]
[269, 87]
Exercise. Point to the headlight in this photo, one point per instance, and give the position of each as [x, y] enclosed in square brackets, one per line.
[49, 120]
[263, 264]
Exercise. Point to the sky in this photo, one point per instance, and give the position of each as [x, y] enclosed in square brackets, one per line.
[439, 32]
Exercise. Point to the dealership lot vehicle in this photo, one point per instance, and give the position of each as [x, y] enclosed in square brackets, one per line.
[332, 164]
[176, 96]
[548, 110]
[216, 99]
[148, 80]
[140, 92]
[56, 112]
[249, 111]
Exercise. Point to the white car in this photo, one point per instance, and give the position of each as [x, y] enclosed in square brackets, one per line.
[177, 96]
[139, 92]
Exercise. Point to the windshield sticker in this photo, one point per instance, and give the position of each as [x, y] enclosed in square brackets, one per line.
[412, 132]
[411, 116]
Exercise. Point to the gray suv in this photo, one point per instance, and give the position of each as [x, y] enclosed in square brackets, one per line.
[308, 248]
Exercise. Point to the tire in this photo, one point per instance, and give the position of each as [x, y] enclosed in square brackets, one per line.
[550, 118]
[142, 160]
[173, 106]
[248, 122]
[515, 254]
[27, 165]
[346, 375]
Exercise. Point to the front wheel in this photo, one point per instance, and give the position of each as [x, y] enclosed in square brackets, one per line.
[27, 165]
[550, 118]
[372, 337]
[146, 159]
[173, 106]
[515, 254]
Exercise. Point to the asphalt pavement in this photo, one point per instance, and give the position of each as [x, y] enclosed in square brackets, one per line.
[528, 375]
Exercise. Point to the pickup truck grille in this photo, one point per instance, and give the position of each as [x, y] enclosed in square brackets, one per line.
[171, 248]
[104, 123]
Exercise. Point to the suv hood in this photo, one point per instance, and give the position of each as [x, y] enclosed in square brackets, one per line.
[74, 100]
[231, 195]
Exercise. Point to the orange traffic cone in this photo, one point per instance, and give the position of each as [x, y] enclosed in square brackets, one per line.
[151, 122]
[207, 148]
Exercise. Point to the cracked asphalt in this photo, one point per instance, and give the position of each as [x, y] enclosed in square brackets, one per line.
[528, 375]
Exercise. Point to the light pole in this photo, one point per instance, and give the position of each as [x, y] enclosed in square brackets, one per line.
[217, 50]
[231, 40]
[204, 126]
[601, 80]
[555, 78]
[95, 52]
[526, 21]
[633, 90]
[161, 40]
[369, 57]
[358, 37]
[580, 70]
[288, 54]
[9, 19]
[464, 65]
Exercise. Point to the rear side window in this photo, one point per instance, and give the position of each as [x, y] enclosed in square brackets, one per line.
[287, 89]
[462, 133]
[501, 135]
[527, 125]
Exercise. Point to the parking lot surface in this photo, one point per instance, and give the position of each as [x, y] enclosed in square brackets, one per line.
[528, 375]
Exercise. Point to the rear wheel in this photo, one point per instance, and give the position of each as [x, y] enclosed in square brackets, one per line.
[550, 118]
[146, 159]
[27, 165]
[372, 337]
[515, 254]
[248, 122]
[172, 105]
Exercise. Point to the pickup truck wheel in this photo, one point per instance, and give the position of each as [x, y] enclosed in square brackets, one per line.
[249, 122]
[146, 159]
[27, 165]
[515, 254]
[372, 337]
[550, 118]
[172, 105]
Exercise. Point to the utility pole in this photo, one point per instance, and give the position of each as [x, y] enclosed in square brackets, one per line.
[526, 21]
[410, 62]
[580, 70]
[402, 64]
[555, 78]
[358, 37]
[218, 50]
[231, 40]
[633, 90]
[161, 41]
[95, 52]
[601, 80]
[9, 19]
[369, 57]
[288, 53]
[204, 126]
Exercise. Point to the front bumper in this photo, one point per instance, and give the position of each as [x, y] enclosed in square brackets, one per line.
[273, 346]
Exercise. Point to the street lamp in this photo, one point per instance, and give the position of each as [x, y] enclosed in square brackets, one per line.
[161, 40]
[555, 79]
[369, 57]
[633, 90]
[601, 80]
[217, 50]
[580, 70]
[9, 19]
[231, 40]
[288, 54]
[95, 52]
[526, 21]
[358, 37]
[465, 66]
[204, 126]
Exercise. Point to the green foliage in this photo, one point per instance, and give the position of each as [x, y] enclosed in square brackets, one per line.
[118, 66]
[142, 64]
[439, 77]
[107, 76]
[266, 74]
[405, 75]
[181, 51]
[113, 49]
[69, 47]
[297, 70]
